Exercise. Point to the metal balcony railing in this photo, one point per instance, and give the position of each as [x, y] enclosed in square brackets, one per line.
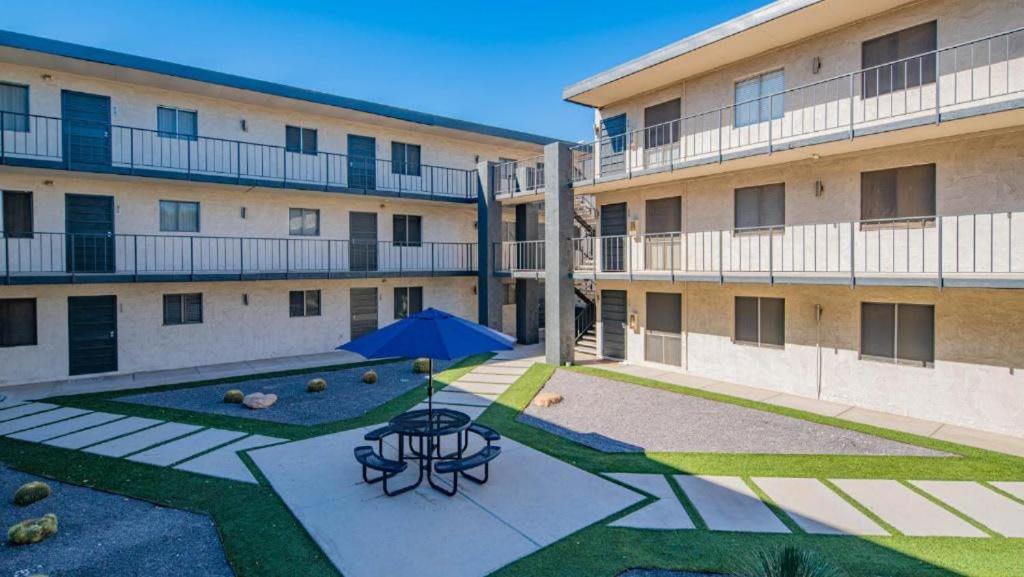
[51, 142]
[982, 75]
[63, 257]
[519, 256]
[517, 177]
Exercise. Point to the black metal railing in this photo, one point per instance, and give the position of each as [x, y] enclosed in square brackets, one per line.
[52, 142]
[519, 256]
[586, 316]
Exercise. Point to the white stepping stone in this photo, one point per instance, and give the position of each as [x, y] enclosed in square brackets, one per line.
[473, 412]
[39, 419]
[665, 513]
[498, 370]
[470, 399]
[479, 388]
[145, 438]
[728, 504]
[1015, 488]
[486, 378]
[176, 451]
[23, 410]
[8, 403]
[1002, 515]
[910, 513]
[225, 462]
[816, 508]
[64, 427]
[101, 433]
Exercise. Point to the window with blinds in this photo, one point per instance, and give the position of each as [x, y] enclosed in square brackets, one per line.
[17, 218]
[177, 123]
[663, 215]
[408, 230]
[183, 309]
[760, 206]
[303, 222]
[405, 159]
[304, 303]
[897, 193]
[903, 59]
[17, 322]
[14, 107]
[659, 128]
[301, 140]
[898, 332]
[759, 99]
[408, 301]
[179, 216]
[760, 321]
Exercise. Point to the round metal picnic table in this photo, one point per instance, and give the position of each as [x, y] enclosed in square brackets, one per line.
[430, 426]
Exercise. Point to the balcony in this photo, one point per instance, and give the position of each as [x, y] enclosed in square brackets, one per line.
[516, 179]
[51, 258]
[50, 142]
[519, 259]
[971, 79]
[974, 250]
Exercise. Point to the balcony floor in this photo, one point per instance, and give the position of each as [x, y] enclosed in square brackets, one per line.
[147, 277]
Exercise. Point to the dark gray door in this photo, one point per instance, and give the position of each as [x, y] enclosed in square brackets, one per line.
[89, 224]
[663, 339]
[362, 162]
[613, 240]
[92, 335]
[662, 224]
[362, 251]
[363, 314]
[613, 145]
[86, 130]
[613, 324]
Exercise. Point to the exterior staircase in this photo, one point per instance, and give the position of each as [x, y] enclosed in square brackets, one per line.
[586, 346]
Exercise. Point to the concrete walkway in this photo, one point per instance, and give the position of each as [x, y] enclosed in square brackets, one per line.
[941, 431]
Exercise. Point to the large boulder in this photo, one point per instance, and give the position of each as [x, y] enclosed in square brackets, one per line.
[32, 530]
[234, 396]
[370, 377]
[421, 366]
[317, 385]
[31, 492]
[259, 400]
[547, 399]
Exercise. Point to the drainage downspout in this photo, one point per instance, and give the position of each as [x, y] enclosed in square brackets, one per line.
[817, 338]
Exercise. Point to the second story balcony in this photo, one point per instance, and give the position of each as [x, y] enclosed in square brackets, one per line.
[518, 178]
[79, 145]
[53, 258]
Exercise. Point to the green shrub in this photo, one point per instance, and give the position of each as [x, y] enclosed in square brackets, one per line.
[31, 492]
[317, 385]
[788, 561]
[233, 396]
[421, 366]
[32, 530]
[370, 377]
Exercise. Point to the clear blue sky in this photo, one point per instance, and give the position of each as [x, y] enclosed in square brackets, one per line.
[502, 63]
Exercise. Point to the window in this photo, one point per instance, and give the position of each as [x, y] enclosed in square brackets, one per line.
[303, 222]
[177, 123]
[408, 301]
[755, 101]
[304, 303]
[17, 208]
[178, 216]
[657, 131]
[408, 230]
[17, 322]
[405, 159]
[761, 321]
[911, 53]
[301, 140]
[760, 206]
[905, 192]
[183, 309]
[898, 332]
[14, 105]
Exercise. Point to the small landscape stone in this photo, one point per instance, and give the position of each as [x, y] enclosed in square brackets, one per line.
[421, 366]
[547, 399]
[316, 385]
[259, 400]
[234, 396]
[370, 377]
[32, 530]
[31, 492]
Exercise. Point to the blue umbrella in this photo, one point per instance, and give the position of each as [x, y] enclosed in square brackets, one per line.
[432, 334]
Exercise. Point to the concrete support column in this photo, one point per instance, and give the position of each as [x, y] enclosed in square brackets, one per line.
[559, 298]
[528, 290]
[488, 220]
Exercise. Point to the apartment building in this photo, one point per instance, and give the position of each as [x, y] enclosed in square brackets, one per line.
[158, 216]
[821, 198]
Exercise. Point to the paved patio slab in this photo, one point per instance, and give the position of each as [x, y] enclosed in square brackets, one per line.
[479, 388]
[473, 412]
[225, 462]
[1015, 488]
[8, 403]
[890, 421]
[101, 433]
[816, 508]
[665, 513]
[489, 369]
[145, 438]
[64, 427]
[910, 513]
[24, 409]
[728, 504]
[486, 378]
[176, 451]
[471, 399]
[1002, 515]
[39, 419]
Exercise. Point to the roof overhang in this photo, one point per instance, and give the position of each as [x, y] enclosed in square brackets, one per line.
[775, 25]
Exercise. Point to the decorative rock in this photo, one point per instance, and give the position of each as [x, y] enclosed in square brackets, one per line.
[421, 365]
[259, 400]
[234, 396]
[547, 399]
[317, 385]
[32, 530]
[31, 492]
[370, 377]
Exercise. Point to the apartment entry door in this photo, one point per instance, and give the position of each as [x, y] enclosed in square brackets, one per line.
[613, 145]
[363, 313]
[89, 232]
[86, 128]
[92, 335]
[613, 237]
[663, 337]
[613, 324]
[362, 162]
[362, 248]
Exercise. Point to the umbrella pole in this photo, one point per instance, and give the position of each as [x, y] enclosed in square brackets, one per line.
[430, 390]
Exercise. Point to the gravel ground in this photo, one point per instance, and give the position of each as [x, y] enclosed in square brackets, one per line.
[617, 417]
[105, 535]
[346, 397]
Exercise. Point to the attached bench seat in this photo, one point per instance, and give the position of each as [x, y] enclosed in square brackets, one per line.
[388, 468]
[488, 434]
[458, 467]
[378, 435]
